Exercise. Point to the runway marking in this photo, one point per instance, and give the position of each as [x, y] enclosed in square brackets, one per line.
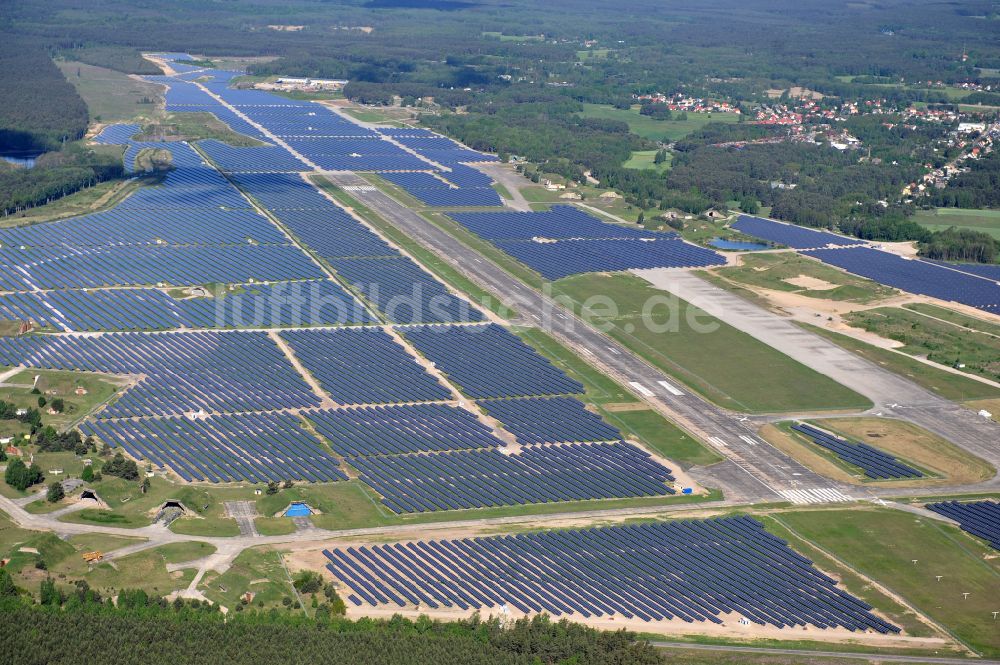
[670, 388]
[717, 441]
[359, 188]
[749, 440]
[815, 495]
[642, 390]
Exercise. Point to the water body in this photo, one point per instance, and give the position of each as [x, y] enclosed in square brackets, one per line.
[298, 510]
[720, 243]
[26, 161]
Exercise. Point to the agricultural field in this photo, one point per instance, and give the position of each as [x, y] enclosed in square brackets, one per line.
[792, 273]
[768, 381]
[952, 344]
[657, 130]
[939, 219]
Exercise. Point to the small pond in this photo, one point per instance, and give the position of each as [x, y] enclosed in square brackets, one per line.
[722, 243]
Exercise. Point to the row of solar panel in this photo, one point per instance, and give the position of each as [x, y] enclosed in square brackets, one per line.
[876, 464]
[175, 372]
[915, 276]
[980, 518]
[487, 477]
[249, 447]
[694, 570]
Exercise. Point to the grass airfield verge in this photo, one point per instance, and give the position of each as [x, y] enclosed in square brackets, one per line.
[727, 366]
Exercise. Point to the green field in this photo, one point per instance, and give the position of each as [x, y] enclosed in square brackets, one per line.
[725, 365]
[645, 159]
[663, 436]
[939, 219]
[883, 545]
[61, 384]
[111, 96]
[963, 320]
[195, 127]
[258, 570]
[656, 130]
[946, 384]
[773, 271]
[944, 343]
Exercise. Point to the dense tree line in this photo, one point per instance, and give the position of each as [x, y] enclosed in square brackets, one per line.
[961, 245]
[55, 174]
[41, 109]
[145, 631]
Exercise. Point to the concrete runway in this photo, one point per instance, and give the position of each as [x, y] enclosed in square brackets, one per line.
[892, 394]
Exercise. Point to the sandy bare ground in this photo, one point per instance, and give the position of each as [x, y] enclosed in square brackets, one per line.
[730, 628]
[810, 283]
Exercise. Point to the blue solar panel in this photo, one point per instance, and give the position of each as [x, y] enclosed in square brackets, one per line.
[989, 271]
[390, 430]
[403, 292]
[914, 276]
[550, 420]
[876, 464]
[693, 570]
[176, 372]
[436, 192]
[363, 366]
[560, 222]
[555, 260]
[117, 134]
[259, 158]
[488, 361]
[256, 447]
[789, 234]
[489, 477]
[980, 518]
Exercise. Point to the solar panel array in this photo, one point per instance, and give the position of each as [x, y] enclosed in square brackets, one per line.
[550, 420]
[694, 570]
[435, 192]
[566, 241]
[409, 428]
[989, 271]
[255, 447]
[279, 304]
[177, 372]
[214, 406]
[877, 464]
[363, 366]
[403, 292]
[488, 477]
[789, 234]
[914, 276]
[442, 150]
[488, 361]
[312, 302]
[557, 223]
[980, 518]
